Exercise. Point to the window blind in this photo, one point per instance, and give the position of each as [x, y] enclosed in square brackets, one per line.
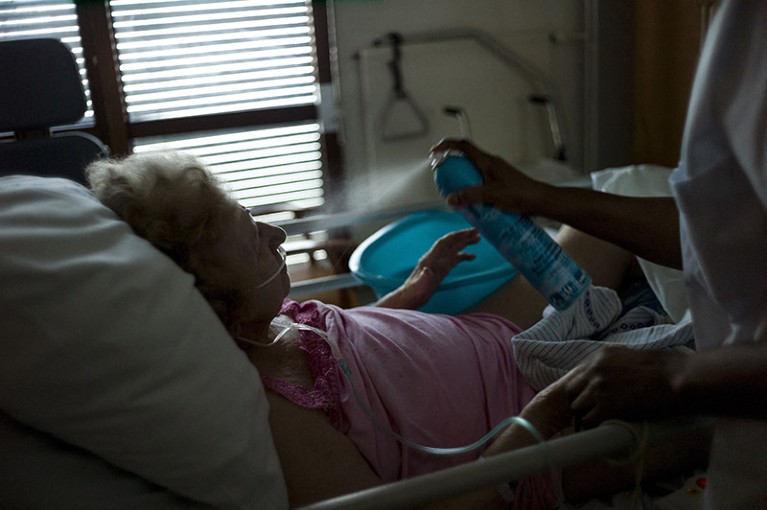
[261, 167]
[182, 58]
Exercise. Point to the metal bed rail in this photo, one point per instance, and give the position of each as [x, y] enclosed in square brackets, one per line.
[610, 438]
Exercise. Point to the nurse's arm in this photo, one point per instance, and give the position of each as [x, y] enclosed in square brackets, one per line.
[625, 383]
[728, 381]
[645, 226]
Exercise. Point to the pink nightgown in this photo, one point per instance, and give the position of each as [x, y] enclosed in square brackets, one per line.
[437, 380]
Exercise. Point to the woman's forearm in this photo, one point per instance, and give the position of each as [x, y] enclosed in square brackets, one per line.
[547, 413]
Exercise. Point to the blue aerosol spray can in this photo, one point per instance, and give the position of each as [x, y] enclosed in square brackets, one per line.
[523, 243]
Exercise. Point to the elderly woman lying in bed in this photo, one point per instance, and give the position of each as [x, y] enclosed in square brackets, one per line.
[437, 380]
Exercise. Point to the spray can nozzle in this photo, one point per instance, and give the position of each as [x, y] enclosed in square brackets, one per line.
[454, 171]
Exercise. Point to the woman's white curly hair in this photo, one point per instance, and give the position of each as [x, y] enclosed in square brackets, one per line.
[172, 200]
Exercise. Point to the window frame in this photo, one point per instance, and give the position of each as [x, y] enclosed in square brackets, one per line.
[113, 127]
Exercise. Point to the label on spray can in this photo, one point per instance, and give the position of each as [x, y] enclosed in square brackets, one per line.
[523, 243]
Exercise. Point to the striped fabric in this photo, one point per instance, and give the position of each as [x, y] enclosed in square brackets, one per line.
[563, 339]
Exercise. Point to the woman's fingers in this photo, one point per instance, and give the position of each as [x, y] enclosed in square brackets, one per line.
[454, 242]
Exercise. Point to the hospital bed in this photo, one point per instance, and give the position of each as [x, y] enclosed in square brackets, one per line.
[90, 353]
[122, 375]
[115, 348]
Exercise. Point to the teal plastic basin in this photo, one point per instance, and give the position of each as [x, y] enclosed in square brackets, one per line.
[386, 258]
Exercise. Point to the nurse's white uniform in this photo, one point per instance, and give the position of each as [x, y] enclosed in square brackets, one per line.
[721, 190]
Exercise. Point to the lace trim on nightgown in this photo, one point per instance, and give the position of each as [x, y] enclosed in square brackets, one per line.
[322, 365]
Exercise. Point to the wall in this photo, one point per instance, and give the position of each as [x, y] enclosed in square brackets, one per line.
[547, 33]
[669, 36]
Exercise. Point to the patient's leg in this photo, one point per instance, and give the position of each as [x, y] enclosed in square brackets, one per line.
[519, 302]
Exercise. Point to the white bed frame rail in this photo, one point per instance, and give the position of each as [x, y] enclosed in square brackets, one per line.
[610, 438]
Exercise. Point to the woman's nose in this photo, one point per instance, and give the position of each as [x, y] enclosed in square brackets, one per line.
[275, 235]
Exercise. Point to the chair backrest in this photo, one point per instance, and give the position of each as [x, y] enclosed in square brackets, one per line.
[41, 88]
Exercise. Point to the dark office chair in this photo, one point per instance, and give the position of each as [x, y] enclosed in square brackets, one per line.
[40, 88]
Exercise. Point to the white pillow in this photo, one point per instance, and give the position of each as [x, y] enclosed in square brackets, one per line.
[106, 345]
[648, 181]
[40, 472]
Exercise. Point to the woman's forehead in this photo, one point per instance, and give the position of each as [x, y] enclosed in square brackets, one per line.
[245, 211]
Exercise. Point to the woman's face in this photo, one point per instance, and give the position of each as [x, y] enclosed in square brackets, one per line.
[258, 262]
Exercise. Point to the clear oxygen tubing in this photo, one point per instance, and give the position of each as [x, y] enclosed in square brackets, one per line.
[284, 256]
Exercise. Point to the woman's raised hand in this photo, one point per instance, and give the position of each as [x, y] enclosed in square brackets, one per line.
[432, 268]
[505, 187]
